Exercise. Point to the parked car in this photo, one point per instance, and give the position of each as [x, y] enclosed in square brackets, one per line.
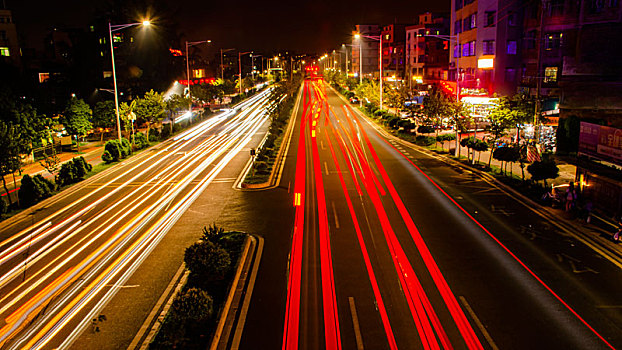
[354, 99]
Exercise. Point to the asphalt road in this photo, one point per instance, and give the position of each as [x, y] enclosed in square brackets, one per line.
[390, 247]
[62, 261]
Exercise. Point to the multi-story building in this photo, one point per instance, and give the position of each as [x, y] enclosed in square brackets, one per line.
[571, 61]
[9, 46]
[427, 53]
[393, 49]
[486, 45]
[367, 49]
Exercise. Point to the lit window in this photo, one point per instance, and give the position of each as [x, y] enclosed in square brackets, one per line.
[511, 47]
[550, 74]
[552, 41]
[4, 51]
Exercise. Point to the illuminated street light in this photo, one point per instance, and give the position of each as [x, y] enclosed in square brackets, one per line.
[115, 28]
[379, 39]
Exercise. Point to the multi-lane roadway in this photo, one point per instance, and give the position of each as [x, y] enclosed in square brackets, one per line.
[61, 262]
[389, 247]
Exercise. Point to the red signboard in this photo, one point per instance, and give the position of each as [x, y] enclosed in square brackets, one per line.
[602, 142]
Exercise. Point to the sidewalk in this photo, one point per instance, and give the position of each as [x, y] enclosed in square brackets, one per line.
[92, 152]
[600, 227]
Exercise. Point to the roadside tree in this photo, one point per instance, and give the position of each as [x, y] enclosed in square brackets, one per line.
[104, 116]
[76, 119]
[150, 109]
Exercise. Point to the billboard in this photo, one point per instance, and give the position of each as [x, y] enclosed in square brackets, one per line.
[602, 142]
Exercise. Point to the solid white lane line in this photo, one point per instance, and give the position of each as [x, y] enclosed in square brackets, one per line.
[355, 322]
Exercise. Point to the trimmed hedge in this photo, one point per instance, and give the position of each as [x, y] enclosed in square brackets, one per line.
[33, 190]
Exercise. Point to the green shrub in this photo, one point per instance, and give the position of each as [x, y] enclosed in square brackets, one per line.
[393, 121]
[107, 158]
[3, 207]
[207, 260]
[140, 140]
[154, 135]
[425, 129]
[261, 166]
[33, 190]
[73, 171]
[113, 148]
[424, 140]
[125, 147]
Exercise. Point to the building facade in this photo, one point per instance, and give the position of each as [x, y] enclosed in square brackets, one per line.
[485, 45]
[427, 53]
[369, 53]
[393, 51]
[9, 46]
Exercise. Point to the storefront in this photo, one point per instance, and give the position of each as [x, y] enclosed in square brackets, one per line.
[600, 181]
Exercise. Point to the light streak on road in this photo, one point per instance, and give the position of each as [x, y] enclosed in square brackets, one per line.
[80, 281]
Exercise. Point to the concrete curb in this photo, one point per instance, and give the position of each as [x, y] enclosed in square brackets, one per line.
[604, 248]
[230, 313]
[279, 163]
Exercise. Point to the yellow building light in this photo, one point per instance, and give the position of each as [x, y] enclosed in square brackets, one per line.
[486, 63]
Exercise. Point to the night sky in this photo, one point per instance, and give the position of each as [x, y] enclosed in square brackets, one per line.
[262, 26]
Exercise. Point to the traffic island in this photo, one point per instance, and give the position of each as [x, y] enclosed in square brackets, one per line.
[200, 305]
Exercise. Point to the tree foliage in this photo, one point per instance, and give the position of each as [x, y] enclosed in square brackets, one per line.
[543, 170]
[150, 109]
[104, 116]
[76, 118]
[207, 259]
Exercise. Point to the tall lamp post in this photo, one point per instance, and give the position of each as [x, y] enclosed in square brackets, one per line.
[115, 28]
[240, 67]
[379, 39]
[222, 66]
[188, 44]
[454, 39]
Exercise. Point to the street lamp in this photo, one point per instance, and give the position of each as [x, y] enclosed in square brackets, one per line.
[222, 67]
[115, 28]
[454, 39]
[191, 43]
[253, 64]
[240, 66]
[379, 39]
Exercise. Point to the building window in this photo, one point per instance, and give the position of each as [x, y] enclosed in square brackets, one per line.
[488, 47]
[512, 19]
[468, 49]
[596, 6]
[490, 18]
[466, 24]
[556, 8]
[550, 74]
[511, 47]
[458, 27]
[510, 74]
[4, 51]
[473, 21]
[552, 41]
[456, 51]
[530, 39]
[2, 34]
[458, 5]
